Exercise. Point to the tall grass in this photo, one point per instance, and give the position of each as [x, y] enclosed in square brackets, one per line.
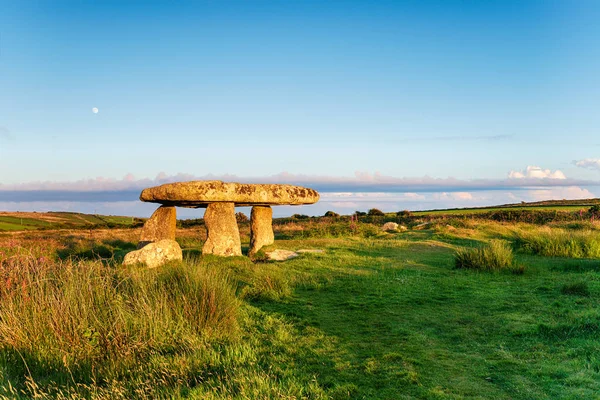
[558, 242]
[494, 256]
[93, 322]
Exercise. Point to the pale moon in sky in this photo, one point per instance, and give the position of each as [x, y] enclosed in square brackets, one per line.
[95, 110]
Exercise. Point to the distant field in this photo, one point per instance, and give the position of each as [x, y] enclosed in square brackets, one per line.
[564, 208]
[23, 221]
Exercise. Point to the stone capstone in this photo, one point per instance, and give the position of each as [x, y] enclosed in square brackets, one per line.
[223, 236]
[261, 228]
[281, 255]
[199, 194]
[155, 254]
[161, 225]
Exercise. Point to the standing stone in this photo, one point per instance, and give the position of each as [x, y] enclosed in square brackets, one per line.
[160, 226]
[261, 228]
[223, 234]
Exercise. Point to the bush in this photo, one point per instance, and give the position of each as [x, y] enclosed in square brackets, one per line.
[240, 217]
[495, 256]
[331, 214]
[404, 214]
[374, 212]
[300, 216]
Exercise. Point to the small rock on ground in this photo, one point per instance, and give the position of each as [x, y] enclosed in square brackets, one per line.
[315, 251]
[390, 226]
[155, 254]
[281, 255]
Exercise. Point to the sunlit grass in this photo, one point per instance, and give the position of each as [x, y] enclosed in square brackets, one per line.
[379, 317]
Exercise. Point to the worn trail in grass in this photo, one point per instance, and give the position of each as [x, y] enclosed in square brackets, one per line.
[402, 323]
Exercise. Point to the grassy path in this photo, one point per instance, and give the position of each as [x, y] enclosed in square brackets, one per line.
[403, 324]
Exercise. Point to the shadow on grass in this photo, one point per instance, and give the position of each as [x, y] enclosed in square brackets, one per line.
[107, 251]
[21, 365]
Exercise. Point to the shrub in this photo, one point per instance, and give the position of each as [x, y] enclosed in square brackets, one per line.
[374, 212]
[300, 216]
[495, 256]
[331, 214]
[404, 214]
[360, 213]
[240, 217]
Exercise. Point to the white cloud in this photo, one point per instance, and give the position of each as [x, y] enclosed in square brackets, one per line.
[463, 196]
[453, 196]
[414, 196]
[569, 193]
[364, 186]
[589, 163]
[534, 172]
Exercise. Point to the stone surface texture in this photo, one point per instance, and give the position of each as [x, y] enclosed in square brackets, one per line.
[281, 255]
[161, 225]
[198, 194]
[155, 254]
[390, 226]
[223, 234]
[261, 228]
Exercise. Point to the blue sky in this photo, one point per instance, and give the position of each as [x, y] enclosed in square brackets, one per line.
[377, 94]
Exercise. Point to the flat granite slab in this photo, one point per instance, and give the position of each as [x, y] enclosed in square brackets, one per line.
[199, 194]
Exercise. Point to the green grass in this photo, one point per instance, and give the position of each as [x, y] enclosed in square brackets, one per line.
[494, 256]
[379, 317]
[8, 226]
[482, 210]
[573, 243]
[60, 220]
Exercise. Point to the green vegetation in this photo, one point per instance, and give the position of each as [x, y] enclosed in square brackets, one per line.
[576, 289]
[376, 316]
[556, 242]
[63, 220]
[375, 212]
[494, 256]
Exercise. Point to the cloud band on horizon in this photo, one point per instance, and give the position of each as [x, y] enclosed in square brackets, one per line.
[128, 188]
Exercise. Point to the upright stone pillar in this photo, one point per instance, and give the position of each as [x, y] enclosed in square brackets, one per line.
[160, 226]
[261, 228]
[223, 234]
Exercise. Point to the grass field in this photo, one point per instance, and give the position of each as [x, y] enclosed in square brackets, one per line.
[466, 211]
[23, 221]
[377, 316]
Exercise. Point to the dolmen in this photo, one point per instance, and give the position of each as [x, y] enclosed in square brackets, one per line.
[220, 199]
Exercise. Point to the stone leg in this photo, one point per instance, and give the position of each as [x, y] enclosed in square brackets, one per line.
[261, 228]
[223, 234]
[160, 226]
